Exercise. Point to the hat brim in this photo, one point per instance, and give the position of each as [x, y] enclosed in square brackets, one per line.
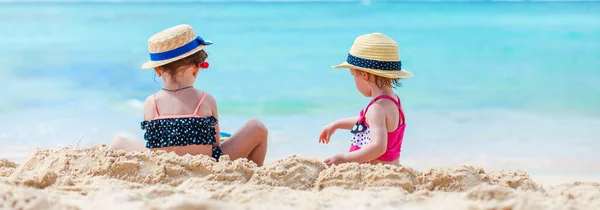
[402, 74]
[152, 64]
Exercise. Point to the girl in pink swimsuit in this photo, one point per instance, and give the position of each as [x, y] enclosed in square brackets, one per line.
[378, 131]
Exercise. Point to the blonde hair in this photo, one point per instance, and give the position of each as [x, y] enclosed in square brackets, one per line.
[382, 82]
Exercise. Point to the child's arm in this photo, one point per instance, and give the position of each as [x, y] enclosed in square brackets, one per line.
[346, 123]
[377, 146]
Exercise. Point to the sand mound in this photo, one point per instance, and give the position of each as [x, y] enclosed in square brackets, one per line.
[451, 179]
[68, 167]
[359, 176]
[513, 179]
[42, 168]
[100, 178]
[6, 167]
[230, 172]
[466, 177]
[293, 172]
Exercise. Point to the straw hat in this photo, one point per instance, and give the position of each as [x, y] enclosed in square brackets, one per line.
[173, 44]
[377, 54]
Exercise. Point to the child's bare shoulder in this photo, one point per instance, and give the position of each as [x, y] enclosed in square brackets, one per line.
[149, 102]
[149, 99]
[388, 107]
[385, 103]
[149, 107]
[208, 96]
[209, 99]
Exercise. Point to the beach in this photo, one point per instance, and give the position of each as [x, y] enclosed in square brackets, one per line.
[502, 112]
[100, 178]
[489, 90]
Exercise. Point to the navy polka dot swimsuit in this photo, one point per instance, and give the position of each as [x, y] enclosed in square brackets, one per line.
[181, 130]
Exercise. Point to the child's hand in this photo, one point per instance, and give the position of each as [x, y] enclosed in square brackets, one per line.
[336, 159]
[326, 133]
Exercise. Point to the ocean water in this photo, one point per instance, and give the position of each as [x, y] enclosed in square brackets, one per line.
[504, 85]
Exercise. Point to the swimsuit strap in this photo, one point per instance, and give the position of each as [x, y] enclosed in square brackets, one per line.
[380, 97]
[155, 107]
[397, 102]
[199, 103]
[195, 114]
[400, 109]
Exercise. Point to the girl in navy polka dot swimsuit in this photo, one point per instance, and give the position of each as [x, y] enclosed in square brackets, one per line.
[182, 119]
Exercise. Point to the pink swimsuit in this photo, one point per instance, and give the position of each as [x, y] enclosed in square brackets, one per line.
[362, 133]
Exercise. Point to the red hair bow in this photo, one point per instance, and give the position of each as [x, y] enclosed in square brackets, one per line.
[204, 65]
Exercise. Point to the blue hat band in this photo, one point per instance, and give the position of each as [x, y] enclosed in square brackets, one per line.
[180, 50]
[374, 64]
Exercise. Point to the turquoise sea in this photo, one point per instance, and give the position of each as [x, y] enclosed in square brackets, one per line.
[503, 85]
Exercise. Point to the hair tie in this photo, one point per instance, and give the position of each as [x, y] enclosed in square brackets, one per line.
[204, 65]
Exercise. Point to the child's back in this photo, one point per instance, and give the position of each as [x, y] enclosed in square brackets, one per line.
[194, 110]
[183, 102]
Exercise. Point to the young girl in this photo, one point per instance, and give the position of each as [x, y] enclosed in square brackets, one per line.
[182, 119]
[378, 130]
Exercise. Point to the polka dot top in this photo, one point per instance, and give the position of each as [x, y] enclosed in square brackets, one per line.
[181, 130]
[361, 135]
[171, 132]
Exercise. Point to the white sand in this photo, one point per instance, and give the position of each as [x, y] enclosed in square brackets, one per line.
[99, 178]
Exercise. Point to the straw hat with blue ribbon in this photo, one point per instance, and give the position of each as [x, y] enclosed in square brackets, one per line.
[377, 54]
[173, 44]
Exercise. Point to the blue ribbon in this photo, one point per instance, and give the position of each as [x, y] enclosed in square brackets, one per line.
[374, 64]
[180, 50]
